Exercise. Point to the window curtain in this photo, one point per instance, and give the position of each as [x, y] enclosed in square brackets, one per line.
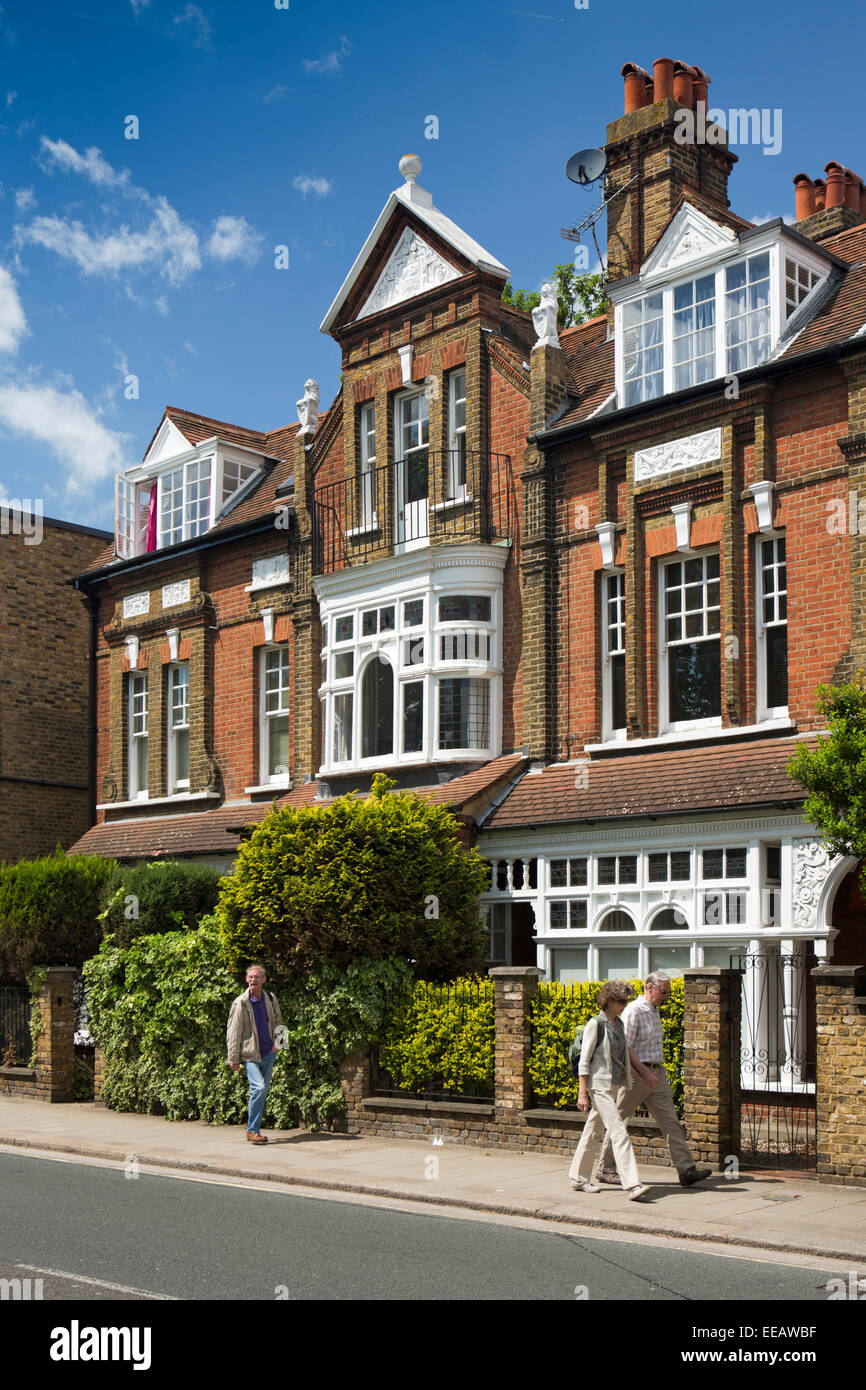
[150, 535]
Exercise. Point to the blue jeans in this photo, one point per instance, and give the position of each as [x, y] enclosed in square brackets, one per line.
[259, 1076]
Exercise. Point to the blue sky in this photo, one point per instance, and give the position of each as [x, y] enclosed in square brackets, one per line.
[261, 127]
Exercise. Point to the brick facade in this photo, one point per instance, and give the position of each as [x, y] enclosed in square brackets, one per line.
[53, 1077]
[44, 674]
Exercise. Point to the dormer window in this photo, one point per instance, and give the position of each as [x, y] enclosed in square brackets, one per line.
[708, 303]
[178, 500]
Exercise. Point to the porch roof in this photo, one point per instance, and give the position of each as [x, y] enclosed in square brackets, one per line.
[680, 781]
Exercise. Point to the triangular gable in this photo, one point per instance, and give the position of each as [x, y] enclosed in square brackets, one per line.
[690, 236]
[413, 268]
[168, 442]
[420, 203]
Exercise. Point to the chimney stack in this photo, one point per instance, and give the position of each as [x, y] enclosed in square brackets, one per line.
[646, 145]
[824, 209]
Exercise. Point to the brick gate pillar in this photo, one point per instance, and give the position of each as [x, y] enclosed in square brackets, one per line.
[711, 1062]
[514, 988]
[840, 1000]
[55, 1048]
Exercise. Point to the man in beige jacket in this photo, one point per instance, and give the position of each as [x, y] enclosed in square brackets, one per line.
[252, 1037]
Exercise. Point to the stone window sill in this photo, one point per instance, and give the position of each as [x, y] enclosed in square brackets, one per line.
[143, 802]
[278, 788]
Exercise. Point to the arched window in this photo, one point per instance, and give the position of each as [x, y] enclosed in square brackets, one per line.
[669, 919]
[616, 921]
[377, 710]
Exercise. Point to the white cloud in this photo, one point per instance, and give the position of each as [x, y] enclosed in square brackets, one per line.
[67, 424]
[332, 62]
[167, 244]
[275, 93]
[234, 239]
[305, 184]
[91, 166]
[24, 199]
[10, 97]
[192, 24]
[139, 5]
[771, 217]
[13, 323]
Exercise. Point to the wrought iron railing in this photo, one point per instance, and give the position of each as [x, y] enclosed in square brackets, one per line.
[775, 1060]
[16, 1043]
[429, 497]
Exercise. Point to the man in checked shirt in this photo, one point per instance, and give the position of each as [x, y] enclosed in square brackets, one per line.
[643, 1031]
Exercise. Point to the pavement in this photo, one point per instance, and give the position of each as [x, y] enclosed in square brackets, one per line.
[790, 1213]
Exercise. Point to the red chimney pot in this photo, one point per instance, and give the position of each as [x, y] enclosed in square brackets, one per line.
[635, 87]
[804, 196]
[683, 77]
[820, 195]
[835, 184]
[663, 78]
[700, 85]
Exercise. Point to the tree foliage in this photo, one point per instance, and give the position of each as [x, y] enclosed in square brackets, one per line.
[580, 294]
[374, 878]
[834, 773]
[145, 898]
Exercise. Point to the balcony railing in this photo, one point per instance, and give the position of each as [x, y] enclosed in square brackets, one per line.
[428, 498]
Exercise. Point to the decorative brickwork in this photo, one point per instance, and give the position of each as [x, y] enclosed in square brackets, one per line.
[840, 992]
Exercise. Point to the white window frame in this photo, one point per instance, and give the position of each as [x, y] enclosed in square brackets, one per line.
[666, 724]
[367, 520]
[457, 438]
[175, 784]
[608, 732]
[137, 685]
[266, 777]
[765, 711]
[130, 487]
[780, 251]
[413, 652]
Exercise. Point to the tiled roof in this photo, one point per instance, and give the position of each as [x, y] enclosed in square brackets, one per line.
[170, 837]
[589, 368]
[681, 782]
[845, 313]
[218, 831]
[462, 793]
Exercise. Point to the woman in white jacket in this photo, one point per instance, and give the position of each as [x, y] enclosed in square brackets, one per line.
[605, 1072]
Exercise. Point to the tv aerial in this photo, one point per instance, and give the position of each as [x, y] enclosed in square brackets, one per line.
[586, 167]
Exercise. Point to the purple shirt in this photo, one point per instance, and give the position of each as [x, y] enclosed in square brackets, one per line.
[260, 1014]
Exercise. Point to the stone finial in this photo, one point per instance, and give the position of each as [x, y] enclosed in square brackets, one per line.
[308, 408]
[544, 318]
[410, 167]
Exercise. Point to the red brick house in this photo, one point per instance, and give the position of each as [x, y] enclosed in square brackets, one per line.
[579, 586]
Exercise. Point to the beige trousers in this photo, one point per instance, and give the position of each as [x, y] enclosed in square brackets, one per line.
[605, 1116]
[660, 1104]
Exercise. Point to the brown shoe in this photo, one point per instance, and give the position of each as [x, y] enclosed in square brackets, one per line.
[253, 1138]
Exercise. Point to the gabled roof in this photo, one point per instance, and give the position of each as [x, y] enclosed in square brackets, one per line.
[419, 203]
[196, 428]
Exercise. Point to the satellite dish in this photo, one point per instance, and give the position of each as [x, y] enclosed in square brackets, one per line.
[586, 166]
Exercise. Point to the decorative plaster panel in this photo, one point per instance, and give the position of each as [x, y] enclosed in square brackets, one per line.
[812, 866]
[172, 594]
[694, 449]
[273, 569]
[134, 605]
[413, 268]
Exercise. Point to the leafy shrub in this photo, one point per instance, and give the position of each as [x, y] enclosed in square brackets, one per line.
[48, 911]
[144, 899]
[558, 1010]
[159, 1010]
[376, 878]
[83, 1082]
[442, 1036]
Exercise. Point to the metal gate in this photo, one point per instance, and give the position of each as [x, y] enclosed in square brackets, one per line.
[775, 1060]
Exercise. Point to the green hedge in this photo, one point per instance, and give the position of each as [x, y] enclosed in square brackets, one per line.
[558, 1010]
[144, 899]
[442, 1035]
[159, 1010]
[49, 911]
